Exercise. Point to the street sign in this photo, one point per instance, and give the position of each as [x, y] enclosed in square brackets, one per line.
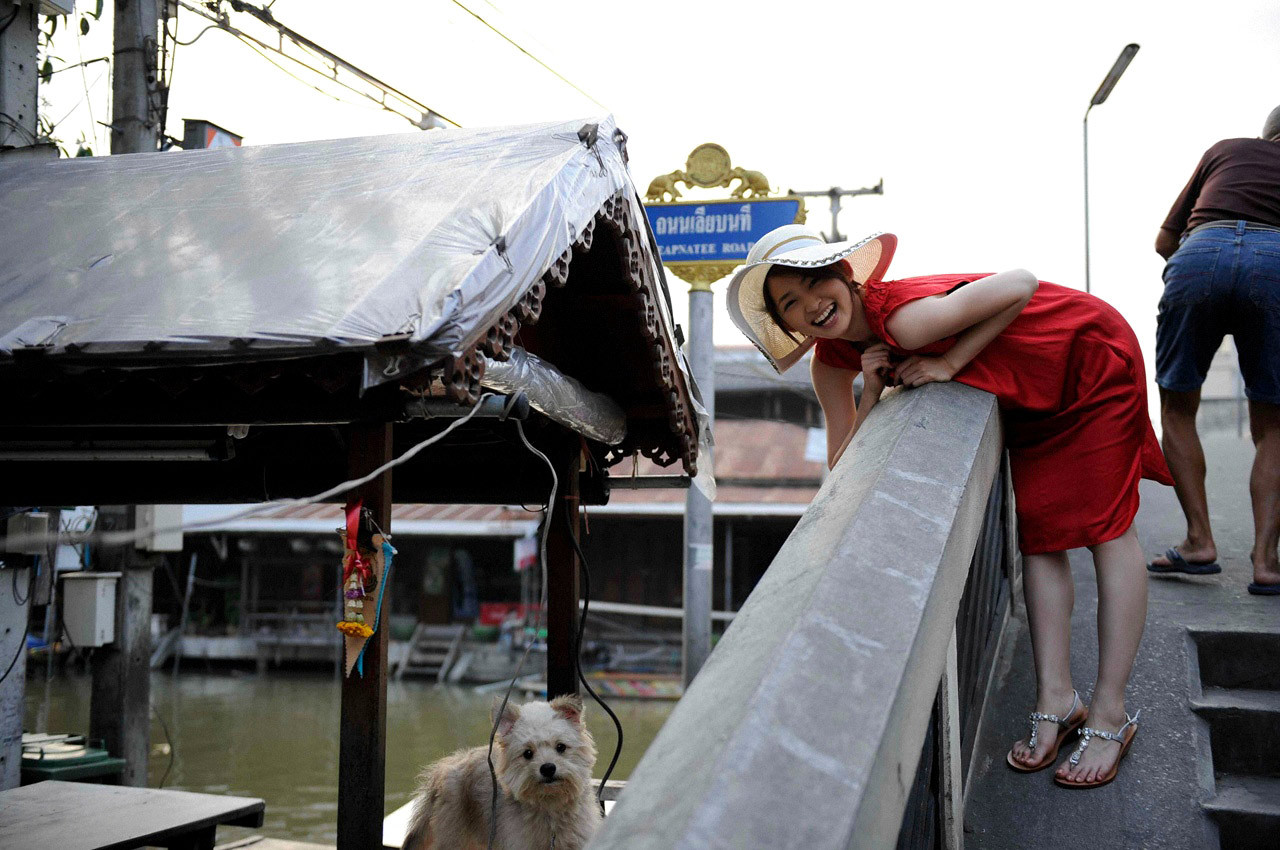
[719, 231]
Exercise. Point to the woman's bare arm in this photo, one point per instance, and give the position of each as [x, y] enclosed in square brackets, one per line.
[834, 388]
[920, 322]
[872, 388]
[977, 312]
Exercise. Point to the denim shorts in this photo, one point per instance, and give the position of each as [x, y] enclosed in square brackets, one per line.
[1223, 279]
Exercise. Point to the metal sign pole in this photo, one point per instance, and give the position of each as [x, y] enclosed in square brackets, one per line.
[699, 551]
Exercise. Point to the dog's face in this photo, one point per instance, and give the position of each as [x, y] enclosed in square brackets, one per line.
[545, 751]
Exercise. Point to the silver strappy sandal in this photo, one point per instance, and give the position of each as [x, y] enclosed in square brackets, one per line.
[1067, 724]
[1123, 736]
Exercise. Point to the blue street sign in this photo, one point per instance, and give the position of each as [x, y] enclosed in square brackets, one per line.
[716, 232]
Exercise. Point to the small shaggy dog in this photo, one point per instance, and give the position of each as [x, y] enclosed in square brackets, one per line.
[543, 756]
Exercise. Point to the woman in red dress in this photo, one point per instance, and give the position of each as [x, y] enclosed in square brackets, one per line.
[1068, 374]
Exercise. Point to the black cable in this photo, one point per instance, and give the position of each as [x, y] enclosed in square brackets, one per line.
[168, 740]
[13, 580]
[577, 659]
[542, 604]
[194, 40]
[13, 122]
[26, 629]
[22, 645]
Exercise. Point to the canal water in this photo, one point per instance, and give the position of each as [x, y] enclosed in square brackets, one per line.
[275, 736]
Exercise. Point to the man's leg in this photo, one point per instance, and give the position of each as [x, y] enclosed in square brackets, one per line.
[1185, 455]
[1264, 488]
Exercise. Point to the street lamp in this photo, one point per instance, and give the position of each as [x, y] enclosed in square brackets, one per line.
[1108, 83]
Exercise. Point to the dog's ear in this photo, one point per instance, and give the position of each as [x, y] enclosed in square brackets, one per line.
[509, 715]
[569, 707]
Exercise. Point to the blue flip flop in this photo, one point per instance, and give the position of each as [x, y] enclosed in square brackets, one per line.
[1179, 564]
[1264, 589]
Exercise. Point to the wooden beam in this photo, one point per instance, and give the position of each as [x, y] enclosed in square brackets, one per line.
[562, 575]
[120, 696]
[362, 748]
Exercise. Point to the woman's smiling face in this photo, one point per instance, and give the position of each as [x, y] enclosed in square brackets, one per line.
[815, 302]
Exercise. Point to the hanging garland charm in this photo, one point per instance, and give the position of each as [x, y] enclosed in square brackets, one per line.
[366, 562]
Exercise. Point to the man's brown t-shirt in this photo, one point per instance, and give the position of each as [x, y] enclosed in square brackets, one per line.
[1236, 179]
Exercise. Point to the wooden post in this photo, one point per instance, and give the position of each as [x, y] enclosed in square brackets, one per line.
[362, 748]
[562, 576]
[120, 697]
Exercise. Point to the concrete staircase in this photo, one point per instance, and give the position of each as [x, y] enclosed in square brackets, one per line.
[1238, 675]
[431, 652]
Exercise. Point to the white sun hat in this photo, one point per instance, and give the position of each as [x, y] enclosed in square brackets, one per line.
[796, 246]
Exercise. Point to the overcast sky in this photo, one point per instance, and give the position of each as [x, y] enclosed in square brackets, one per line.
[970, 112]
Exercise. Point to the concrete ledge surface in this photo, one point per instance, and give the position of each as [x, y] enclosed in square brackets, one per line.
[804, 728]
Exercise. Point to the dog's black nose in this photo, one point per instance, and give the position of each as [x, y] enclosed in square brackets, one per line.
[548, 770]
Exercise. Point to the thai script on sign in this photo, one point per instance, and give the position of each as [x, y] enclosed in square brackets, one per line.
[701, 222]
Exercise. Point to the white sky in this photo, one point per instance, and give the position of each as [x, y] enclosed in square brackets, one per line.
[970, 112]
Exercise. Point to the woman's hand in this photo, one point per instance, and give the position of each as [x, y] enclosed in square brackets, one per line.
[875, 364]
[918, 370]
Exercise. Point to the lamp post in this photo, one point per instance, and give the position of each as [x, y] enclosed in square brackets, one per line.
[1108, 83]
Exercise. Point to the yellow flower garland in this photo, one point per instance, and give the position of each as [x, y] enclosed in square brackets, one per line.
[354, 629]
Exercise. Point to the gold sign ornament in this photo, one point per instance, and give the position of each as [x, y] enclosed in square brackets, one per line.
[709, 167]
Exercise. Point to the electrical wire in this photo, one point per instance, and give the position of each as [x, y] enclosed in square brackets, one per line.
[174, 36]
[13, 122]
[22, 646]
[537, 624]
[80, 64]
[168, 740]
[26, 629]
[120, 538]
[585, 572]
[13, 579]
[253, 44]
[331, 59]
[513, 43]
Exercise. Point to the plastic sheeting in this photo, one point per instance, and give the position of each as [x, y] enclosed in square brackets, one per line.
[274, 250]
[557, 396]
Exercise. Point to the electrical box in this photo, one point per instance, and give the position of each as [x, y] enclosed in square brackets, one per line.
[157, 522]
[31, 524]
[89, 607]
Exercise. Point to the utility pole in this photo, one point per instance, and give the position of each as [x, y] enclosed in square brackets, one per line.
[135, 80]
[19, 75]
[120, 699]
[835, 193]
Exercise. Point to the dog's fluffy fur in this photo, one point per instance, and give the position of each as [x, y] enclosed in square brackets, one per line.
[543, 756]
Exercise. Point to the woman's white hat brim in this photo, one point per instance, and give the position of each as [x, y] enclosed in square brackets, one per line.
[796, 246]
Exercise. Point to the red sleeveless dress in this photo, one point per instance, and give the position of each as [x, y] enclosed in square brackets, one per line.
[1072, 389]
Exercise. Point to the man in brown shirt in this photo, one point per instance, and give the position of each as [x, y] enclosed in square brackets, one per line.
[1222, 243]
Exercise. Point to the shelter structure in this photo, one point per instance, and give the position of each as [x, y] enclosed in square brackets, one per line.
[248, 324]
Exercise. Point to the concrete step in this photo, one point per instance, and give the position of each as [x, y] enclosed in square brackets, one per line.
[1237, 699]
[1244, 729]
[1247, 812]
[1238, 659]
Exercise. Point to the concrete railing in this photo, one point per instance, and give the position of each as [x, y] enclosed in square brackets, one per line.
[806, 726]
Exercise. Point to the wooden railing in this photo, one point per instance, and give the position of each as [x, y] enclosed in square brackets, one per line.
[839, 708]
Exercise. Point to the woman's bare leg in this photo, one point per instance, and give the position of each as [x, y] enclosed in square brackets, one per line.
[1050, 594]
[1122, 613]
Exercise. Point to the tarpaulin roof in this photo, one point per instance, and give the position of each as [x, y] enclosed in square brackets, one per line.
[274, 250]
[160, 297]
